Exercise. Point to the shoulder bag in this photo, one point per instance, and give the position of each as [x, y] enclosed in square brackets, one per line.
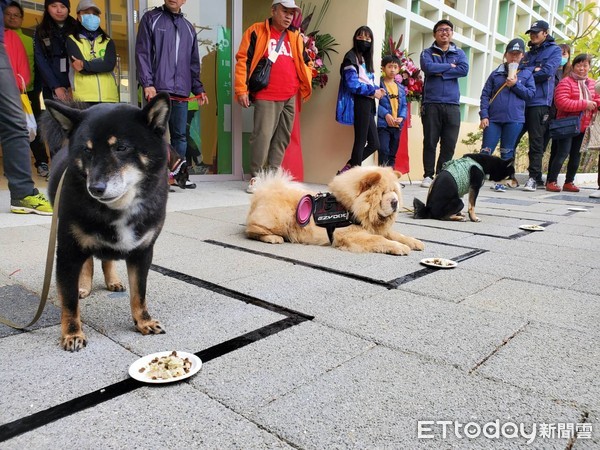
[564, 128]
[262, 72]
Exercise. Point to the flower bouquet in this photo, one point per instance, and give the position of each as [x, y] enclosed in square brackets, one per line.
[317, 45]
[409, 75]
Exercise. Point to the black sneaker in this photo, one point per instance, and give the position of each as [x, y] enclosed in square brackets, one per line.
[539, 183]
[190, 185]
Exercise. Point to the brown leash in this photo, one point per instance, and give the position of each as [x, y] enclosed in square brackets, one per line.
[49, 264]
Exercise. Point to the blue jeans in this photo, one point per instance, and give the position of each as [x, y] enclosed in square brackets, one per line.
[178, 127]
[389, 138]
[506, 133]
[13, 134]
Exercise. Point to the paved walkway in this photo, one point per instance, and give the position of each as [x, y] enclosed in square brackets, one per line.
[311, 347]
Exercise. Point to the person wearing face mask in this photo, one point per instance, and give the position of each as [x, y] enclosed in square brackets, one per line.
[443, 64]
[93, 56]
[356, 97]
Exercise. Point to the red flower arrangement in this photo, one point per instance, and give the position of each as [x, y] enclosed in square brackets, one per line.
[317, 45]
[409, 75]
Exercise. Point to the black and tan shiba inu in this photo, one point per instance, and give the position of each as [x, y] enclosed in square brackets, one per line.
[112, 204]
[463, 175]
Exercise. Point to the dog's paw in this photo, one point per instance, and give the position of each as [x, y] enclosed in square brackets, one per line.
[396, 248]
[474, 218]
[149, 327]
[272, 239]
[116, 286]
[84, 292]
[74, 342]
[414, 244]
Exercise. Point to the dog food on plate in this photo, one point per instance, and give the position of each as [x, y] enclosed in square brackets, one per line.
[167, 367]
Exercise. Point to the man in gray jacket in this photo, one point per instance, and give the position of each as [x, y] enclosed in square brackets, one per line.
[167, 59]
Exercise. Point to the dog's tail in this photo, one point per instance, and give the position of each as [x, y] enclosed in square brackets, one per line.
[421, 211]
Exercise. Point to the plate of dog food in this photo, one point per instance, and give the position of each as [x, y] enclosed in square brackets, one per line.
[165, 367]
[439, 263]
[532, 227]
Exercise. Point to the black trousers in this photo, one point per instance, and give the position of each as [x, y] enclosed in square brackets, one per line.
[38, 149]
[441, 123]
[366, 140]
[566, 147]
[536, 124]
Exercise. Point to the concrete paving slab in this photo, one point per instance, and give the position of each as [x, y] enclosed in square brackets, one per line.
[20, 305]
[435, 328]
[563, 308]
[375, 402]
[251, 378]
[198, 227]
[143, 419]
[590, 282]
[42, 374]
[194, 318]
[559, 363]
[591, 439]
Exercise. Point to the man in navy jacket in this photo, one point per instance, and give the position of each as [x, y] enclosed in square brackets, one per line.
[443, 64]
[166, 51]
[542, 59]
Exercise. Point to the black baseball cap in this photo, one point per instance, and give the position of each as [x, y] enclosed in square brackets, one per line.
[516, 45]
[538, 25]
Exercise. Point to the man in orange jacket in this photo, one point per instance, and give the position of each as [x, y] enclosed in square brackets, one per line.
[274, 105]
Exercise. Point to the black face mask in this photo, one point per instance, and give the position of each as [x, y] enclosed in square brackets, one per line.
[363, 46]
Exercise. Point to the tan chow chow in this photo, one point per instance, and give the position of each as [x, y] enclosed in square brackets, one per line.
[370, 194]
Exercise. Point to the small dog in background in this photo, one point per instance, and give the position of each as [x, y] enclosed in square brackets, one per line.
[467, 174]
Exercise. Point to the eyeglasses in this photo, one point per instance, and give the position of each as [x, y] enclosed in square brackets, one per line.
[444, 30]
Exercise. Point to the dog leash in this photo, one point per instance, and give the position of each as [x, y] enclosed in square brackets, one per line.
[49, 264]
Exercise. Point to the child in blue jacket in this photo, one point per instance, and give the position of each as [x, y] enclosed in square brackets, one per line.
[391, 113]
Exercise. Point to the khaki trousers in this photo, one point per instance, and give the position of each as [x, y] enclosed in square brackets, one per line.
[273, 122]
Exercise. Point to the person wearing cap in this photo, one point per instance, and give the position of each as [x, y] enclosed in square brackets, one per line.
[443, 64]
[13, 20]
[167, 58]
[14, 139]
[502, 104]
[50, 50]
[543, 58]
[275, 105]
[92, 57]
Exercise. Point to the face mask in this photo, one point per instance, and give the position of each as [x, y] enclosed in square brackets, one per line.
[90, 22]
[563, 61]
[363, 46]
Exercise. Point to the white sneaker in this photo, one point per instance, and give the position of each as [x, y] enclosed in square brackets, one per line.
[426, 182]
[252, 185]
[595, 194]
[530, 186]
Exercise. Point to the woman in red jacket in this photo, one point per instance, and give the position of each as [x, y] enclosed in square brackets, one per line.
[574, 96]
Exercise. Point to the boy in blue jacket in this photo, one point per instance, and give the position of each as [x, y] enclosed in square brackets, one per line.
[391, 113]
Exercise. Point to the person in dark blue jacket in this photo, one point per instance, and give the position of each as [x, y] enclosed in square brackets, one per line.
[502, 103]
[356, 97]
[167, 58]
[443, 64]
[50, 49]
[542, 59]
[391, 112]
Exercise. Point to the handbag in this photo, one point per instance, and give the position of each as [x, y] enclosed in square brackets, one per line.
[262, 72]
[591, 137]
[29, 117]
[564, 128]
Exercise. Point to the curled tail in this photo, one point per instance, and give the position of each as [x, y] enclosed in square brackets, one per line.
[421, 211]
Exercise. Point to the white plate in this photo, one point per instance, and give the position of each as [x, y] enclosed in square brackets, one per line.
[576, 208]
[144, 361]
[442, 263]
[532, 228]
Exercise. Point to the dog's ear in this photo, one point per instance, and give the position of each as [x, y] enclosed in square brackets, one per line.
[68, 118]
[157, 113]
[398, 173]
[368, 181]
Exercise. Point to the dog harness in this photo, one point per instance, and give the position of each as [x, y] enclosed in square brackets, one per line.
[460, 170]
[326, 211]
